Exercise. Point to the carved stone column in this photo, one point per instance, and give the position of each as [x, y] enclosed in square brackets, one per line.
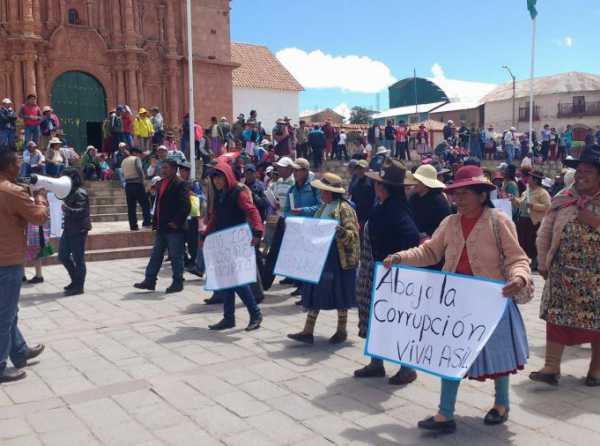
[90, 13]
[42, 91]
[30, 83]
[28, 22]
[120, 74]
[129, 18]
[172, 92]
[132, 93]
[140, 89]
[171, 37]
[115, 13]
[17, 81]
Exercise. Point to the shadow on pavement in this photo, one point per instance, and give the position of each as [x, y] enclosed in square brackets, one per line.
[201, 334]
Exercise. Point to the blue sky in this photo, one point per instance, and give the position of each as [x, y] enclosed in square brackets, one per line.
[467, 39]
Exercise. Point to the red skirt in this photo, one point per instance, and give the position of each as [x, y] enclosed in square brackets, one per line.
[570, 336]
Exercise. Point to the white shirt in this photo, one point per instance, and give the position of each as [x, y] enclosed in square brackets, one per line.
[343, 137]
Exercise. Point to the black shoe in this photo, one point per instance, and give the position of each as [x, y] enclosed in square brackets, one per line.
[403, 377]
[494, 418]
[287, 281]
[254, 324]
[442, 427]
[298, 302]
[145, 286]
[147, 225]
[370, 372]
[548, 378]
[12, 375]
[174, 288]
[135, 228]
[31, 353]
[297, 292]
[590, 381]
[224, 324]
[338, 337]
[195, 272]
[35, 280]
[24, 279]
[214, 300]
[302, 337]
[74, 292]
[68, 287]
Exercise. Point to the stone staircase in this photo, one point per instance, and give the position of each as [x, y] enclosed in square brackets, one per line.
[110, 238]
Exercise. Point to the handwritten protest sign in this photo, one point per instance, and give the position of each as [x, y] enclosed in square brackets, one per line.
[433, 321]
[304, 248]
[230, 259]
[56, 215]
[504, 205]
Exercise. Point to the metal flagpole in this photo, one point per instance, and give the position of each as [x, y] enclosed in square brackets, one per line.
[531, 83]
[191, 116]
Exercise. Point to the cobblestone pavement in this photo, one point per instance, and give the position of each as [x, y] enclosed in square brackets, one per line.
[129, 368]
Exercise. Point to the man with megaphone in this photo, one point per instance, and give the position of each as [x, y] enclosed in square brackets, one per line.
[17, 208]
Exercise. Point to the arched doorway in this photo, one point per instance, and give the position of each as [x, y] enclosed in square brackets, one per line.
[79, 100]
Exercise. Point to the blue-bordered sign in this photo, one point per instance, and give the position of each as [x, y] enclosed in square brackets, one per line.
[433, 321]
[304, 248]
[230, 259]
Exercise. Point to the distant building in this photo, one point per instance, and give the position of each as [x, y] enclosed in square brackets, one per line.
[322, 116]
[568, 98]
[263, 84]
[471, 113]
[409, 113]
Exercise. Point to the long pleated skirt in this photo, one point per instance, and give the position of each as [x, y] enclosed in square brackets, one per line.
[507, 350]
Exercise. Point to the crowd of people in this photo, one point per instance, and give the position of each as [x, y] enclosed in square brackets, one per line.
[438, 214]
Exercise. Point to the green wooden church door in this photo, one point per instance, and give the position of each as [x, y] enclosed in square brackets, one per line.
[79, 101]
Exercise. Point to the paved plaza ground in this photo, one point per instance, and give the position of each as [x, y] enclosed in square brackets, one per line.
[129, 368]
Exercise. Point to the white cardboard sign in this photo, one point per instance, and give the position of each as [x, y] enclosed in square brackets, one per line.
[304, 248]
[230, 259]
[433, 321]
[504, 205]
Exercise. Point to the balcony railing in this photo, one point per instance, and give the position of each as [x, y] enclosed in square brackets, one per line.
[524, 113]
[569, 110]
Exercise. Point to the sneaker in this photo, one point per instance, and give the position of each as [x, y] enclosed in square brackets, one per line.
[12, 375]
[145, 286]
[224, 324]
[35, 280]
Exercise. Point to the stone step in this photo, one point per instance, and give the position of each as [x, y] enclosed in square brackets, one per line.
[120, 216]
[112, 208]
[106, 201]
[98, 255]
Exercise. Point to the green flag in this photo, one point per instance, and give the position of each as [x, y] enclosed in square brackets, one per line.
[532, 9]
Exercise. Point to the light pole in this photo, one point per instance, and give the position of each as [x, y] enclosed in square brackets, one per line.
[191, 116]
[514, 82]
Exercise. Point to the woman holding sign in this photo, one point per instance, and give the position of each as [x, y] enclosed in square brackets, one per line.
[390, 228]
[568, 246]
[483, 242]
[337, 287]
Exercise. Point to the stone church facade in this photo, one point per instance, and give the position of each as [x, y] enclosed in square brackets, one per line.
[86, 56]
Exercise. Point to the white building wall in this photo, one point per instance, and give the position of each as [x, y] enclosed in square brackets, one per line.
[270, 104]
[499, 113]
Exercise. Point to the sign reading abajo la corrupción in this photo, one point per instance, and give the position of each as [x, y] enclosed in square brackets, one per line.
[430, 320]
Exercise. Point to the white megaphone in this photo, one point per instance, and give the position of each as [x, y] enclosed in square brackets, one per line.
[61, 187]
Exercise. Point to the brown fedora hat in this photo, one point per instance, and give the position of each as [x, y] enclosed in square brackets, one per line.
[392, 172]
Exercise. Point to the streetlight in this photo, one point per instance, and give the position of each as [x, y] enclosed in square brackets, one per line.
[191, 111]
[514, 82]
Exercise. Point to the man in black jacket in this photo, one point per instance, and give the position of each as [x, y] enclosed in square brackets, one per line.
[170, 215]
[362, 193]
[76, 225]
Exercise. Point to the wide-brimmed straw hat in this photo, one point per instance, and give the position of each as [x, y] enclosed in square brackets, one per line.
[470, 176]
[381, 150]
[589, 155]
[54, 140]
[330, 182]
[427, 174]
[392, 172]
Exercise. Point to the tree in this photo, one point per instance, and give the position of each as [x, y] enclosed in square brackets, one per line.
[360, 115]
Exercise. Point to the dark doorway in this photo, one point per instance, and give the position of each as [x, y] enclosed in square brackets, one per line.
[94, 134]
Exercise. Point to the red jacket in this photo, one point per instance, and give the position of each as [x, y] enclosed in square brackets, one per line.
[224, 213]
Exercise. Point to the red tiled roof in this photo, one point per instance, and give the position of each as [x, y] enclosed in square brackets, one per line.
[260, 69]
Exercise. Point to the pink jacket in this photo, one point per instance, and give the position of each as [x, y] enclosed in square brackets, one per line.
[562, 211]
[447, 243]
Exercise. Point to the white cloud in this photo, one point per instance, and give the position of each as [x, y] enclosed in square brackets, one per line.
[437, 71]
[343, 110]
[566, 41]
[351, 73]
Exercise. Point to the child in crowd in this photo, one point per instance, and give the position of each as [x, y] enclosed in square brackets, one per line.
[106, 172]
